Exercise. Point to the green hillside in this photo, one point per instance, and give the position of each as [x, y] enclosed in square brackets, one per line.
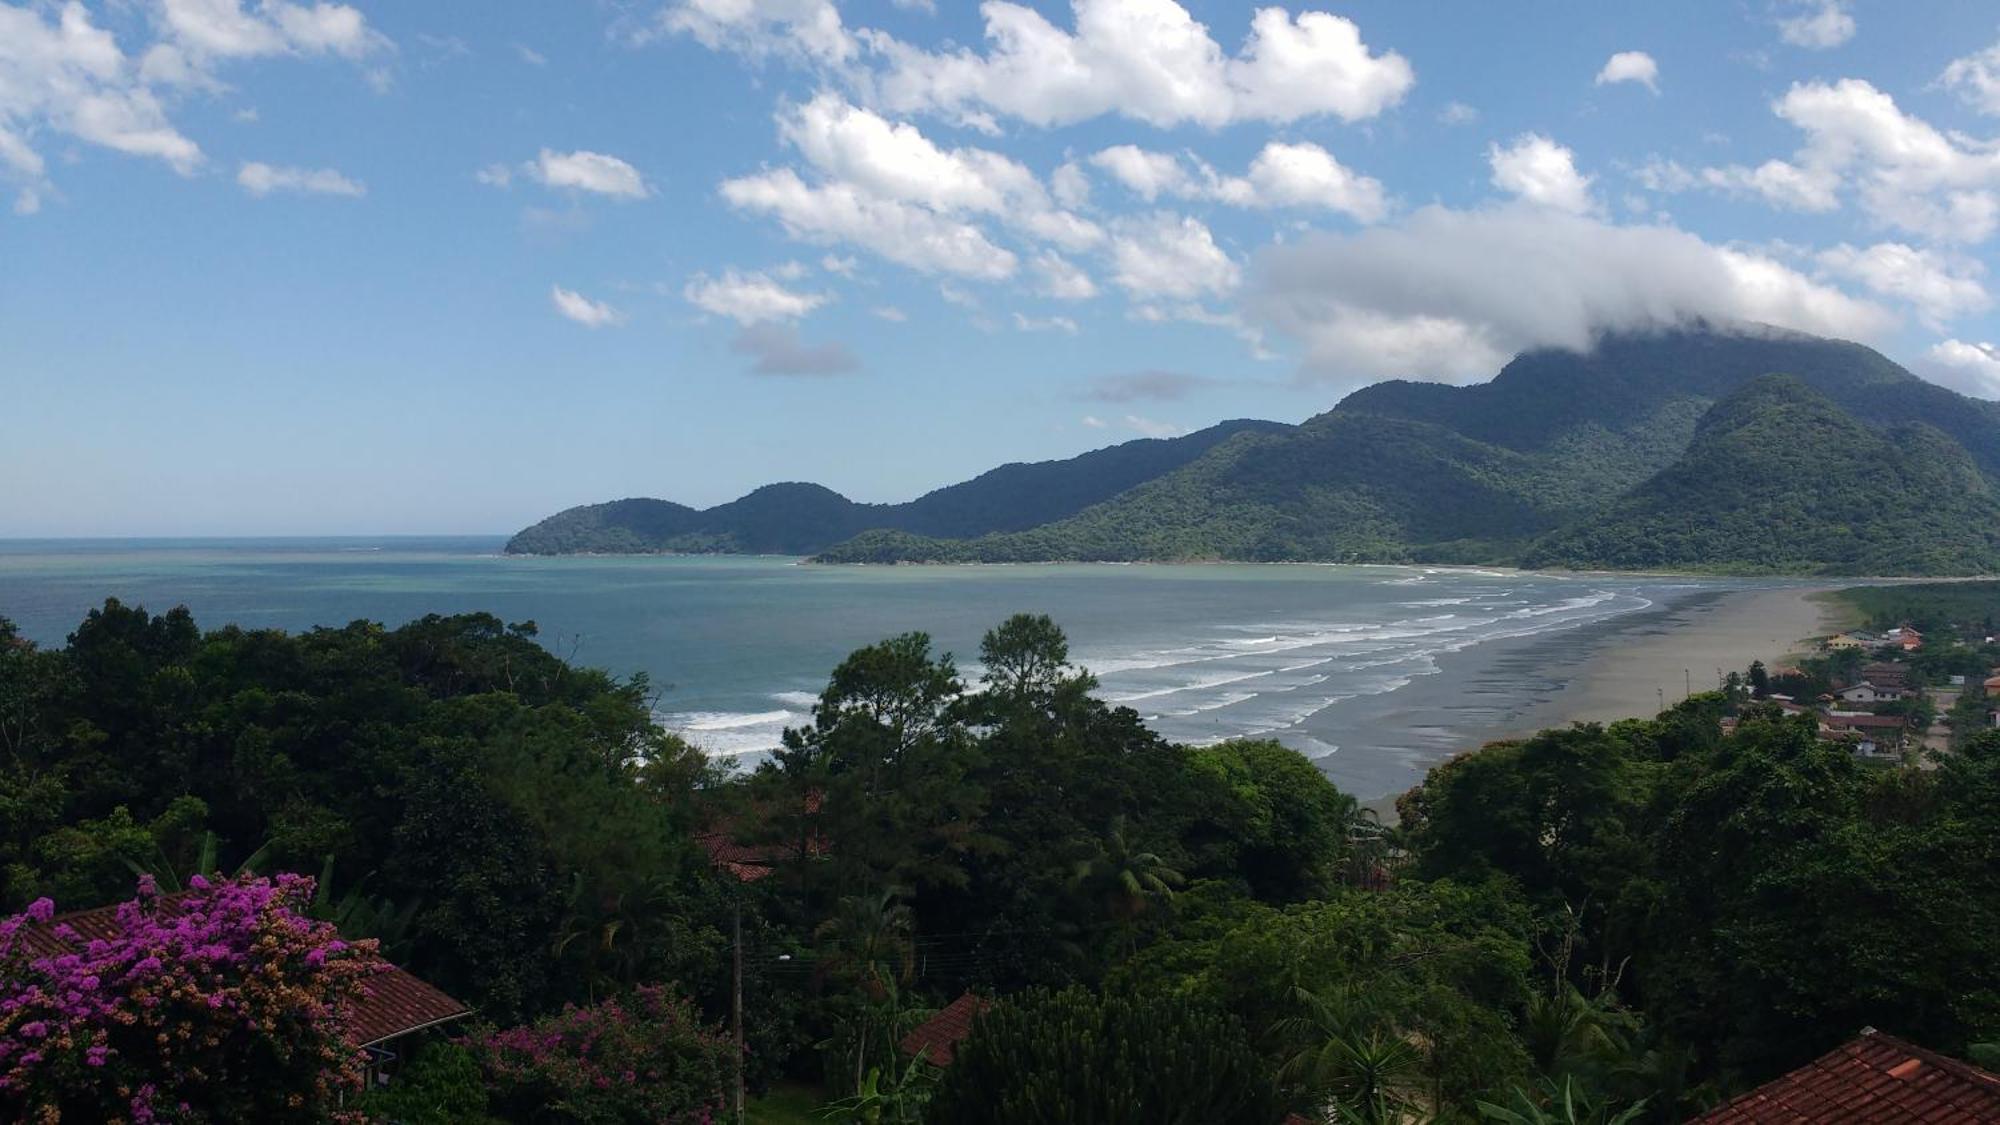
[1644, 452]
[1780, 479]
[797, 518]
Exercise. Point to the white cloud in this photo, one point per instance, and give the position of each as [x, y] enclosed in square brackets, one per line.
[1148, 175]
[583, 310]
[901, 232]
[1168, 255]
[197, 35]
[588, 171]
[530, 56]
[1070, 184]
[1540, 171]
[1281, 175]
[1976, 78]
[259, 178]
[779, 351]
[1061, 324]
[67, 75]
[1824, 24]
[1094, 422]
[1062, 279]
[1905, 173]
[890, 313]
[495, 175]
[1968, 368]
[1631, 66]
[749, 298]
[220, 29]
[807, 29]
[1149, 60]
[1457, 113]
[1424, 298]
[1306, 175]
[895, 161]
[1939, 286]
[1779, 183]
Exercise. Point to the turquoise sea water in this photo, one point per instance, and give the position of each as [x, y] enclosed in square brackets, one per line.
[1372, 671]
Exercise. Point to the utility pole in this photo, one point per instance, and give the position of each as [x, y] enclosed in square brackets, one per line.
[736, 1001]
[1687, 682]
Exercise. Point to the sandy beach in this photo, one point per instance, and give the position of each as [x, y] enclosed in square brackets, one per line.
[1658, 663]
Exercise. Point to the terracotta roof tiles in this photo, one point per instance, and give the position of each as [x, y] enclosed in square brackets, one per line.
[1875, 1080]
[938, 1037]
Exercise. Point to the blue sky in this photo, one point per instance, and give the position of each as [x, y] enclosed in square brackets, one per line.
[271, 267]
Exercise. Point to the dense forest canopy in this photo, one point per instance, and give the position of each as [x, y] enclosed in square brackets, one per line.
[1636, 454]
[1636, 918]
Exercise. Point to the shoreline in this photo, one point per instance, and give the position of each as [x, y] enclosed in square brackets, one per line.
[1623, 668]
[1638, 673]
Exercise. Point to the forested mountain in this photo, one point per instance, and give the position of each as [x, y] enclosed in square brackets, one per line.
[1652, 450]
[1778, 478]
[802, 518]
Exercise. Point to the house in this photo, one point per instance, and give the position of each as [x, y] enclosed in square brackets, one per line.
[1992, 683]
[1840, 641]
[1904, 637]
[1887, 675]
[394, 1004]
[1864, 692]
[1876, 1079]
[938, 1037]
[1870, 735]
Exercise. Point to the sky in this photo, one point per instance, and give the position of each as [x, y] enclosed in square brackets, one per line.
[271, 267]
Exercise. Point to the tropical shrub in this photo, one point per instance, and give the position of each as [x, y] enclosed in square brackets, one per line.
[225, 1004]
[646, 1057]
[1049, 1058]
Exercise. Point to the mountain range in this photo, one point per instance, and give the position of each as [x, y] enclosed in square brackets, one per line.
[1701, 448]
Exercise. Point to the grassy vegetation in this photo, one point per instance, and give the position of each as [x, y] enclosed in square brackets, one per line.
[787, 1103]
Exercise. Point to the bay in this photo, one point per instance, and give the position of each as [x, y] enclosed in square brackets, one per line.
[1375, 672]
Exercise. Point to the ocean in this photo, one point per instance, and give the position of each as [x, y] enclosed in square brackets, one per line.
[1375, 672]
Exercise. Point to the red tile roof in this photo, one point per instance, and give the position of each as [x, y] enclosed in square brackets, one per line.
[1874, 1080]
[938, 1037]
[396, 1003]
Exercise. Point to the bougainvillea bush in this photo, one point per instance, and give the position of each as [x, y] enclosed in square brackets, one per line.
[644, 1058]
[224, 1004]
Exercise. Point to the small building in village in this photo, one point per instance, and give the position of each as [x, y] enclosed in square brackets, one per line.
[1870, 735]
[1886, 675]
[1842, 641]
[1866, 692]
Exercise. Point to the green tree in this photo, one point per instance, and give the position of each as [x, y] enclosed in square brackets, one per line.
[1043, 1058]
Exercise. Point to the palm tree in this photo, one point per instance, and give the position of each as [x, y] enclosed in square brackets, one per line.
[869, 938]
[1365, 1070]
[1367, 844]
[1559, 1103]
[1126, 881]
